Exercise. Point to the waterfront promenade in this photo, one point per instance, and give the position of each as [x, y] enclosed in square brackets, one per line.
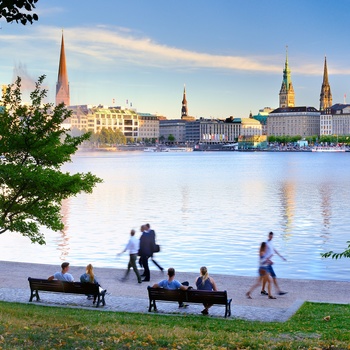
[130, 296]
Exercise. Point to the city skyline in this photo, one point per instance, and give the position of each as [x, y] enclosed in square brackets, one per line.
[230, 55]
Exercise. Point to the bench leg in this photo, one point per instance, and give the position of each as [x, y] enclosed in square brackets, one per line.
[34, 293]
[152, 304]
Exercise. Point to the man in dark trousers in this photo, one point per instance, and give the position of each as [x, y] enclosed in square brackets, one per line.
[148, 228]
[147, 245]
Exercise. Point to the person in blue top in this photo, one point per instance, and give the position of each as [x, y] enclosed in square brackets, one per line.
[172, 283]
[204, 282]
[63, 275]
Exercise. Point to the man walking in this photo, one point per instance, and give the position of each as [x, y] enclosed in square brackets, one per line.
[133, 248]
[148, 228]
[269, 253]
[147, 243]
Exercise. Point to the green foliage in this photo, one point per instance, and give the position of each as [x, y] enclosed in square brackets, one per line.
[17, 11]
[33, 147]
[109, 137]
[344, 254]
[314, 326]
[171, 138]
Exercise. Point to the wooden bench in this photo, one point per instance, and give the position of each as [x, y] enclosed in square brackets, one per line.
[189, 296]
[45, 285]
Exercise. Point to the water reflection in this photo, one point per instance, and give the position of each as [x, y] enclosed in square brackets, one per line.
[287, 195]
[62, 241]
[209, 209]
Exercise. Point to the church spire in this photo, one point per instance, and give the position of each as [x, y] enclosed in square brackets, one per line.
[287, 91]
[62, 86]
[184, 111]
[326, 95]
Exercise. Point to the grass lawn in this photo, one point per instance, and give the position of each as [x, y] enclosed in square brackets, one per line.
[25, 326]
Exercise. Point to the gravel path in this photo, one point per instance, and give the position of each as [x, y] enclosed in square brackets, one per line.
[130, 296]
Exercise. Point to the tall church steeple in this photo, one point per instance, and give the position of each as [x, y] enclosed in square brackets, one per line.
[184, 111]
[326, 95]
[62, 86]
[287, 91]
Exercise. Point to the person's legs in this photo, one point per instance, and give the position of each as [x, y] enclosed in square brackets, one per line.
[146, 272]
[271, 272]
[257, 284]
[155, 263]
[132, 264]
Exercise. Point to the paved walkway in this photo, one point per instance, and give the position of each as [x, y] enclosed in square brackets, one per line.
[130, 296]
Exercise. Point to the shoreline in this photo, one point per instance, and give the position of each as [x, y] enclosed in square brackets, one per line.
[15, 275]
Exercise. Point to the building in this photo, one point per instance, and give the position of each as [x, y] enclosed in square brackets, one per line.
[148, 127]
[94, 118]
[62, 86]
[286, 94]
[262, 118]
[173, 127]
[213, 131]
[184, 108]
[335, 120]
[325, 95]
[294, 121]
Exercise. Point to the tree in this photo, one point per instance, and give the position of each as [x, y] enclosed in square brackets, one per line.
[344, 254]
[16, 10]
[171, 138]
[33, 147]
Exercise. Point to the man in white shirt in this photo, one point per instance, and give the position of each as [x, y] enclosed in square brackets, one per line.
[63, 275]
[133, 247]
[269, 253]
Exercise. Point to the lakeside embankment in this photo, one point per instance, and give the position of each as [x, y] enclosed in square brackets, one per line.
[132, 297]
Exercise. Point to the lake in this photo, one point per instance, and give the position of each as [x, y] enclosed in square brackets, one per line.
[207, 208]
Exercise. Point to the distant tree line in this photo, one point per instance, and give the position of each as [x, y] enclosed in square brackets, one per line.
[344, 139]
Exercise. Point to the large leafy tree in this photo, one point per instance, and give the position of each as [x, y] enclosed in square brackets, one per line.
[33, 147]
[17, 10]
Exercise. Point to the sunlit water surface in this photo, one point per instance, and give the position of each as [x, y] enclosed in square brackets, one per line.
[210, 209]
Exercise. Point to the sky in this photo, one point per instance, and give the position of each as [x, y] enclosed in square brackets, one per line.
[230, 54]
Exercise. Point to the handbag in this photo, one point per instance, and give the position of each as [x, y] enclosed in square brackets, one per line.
[157, 248]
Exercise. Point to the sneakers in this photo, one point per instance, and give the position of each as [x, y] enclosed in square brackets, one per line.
[263, 292]
[282, 293]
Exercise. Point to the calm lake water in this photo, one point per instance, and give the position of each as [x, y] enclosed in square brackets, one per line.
[210, 209]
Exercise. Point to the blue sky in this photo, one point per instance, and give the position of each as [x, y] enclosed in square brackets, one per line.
[229, 53]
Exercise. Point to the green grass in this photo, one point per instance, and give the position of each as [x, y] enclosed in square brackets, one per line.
[25, 326]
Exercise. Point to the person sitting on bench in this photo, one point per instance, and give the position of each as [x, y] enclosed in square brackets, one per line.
[205, 282]
[172, 283]
[63, 275]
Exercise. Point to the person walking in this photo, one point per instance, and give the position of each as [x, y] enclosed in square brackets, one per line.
[270, 251]
[147, 244]
[148, 228]
[205, 282]
[264, 275]
[133, 247]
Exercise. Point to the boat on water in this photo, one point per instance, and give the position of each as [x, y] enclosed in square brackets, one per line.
[156, 149]
[180, 149]
[328, 149]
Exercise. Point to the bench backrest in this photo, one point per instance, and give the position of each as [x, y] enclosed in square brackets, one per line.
[207, 296]
[62, 286]
[166, 294]
[192, 295]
